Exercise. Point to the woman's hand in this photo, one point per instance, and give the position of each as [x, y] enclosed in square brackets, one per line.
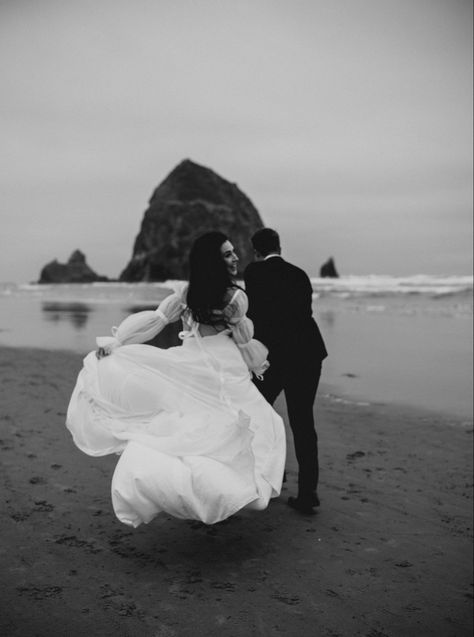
[106, 345]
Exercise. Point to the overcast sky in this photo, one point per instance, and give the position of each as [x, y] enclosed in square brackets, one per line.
[348, 123]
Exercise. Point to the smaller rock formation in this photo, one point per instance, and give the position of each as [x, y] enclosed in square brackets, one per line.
[328, 270]
[75, 270]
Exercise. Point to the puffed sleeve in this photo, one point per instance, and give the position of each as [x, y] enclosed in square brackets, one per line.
[143, 326]
[253, 352]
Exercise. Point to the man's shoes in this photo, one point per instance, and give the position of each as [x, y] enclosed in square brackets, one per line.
[301, 506]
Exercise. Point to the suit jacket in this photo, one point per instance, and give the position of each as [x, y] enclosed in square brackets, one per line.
[280, 306]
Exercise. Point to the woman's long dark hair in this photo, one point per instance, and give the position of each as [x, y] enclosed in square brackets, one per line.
[209, 278]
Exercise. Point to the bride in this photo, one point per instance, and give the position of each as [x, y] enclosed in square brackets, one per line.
[196, 438]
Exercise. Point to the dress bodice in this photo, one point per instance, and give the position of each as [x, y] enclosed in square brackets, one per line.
[231, 318]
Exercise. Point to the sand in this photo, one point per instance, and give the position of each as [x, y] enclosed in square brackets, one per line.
[388, 554]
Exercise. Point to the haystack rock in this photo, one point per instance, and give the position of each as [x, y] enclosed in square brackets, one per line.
[75, 270]
[328, 270]
[191, 200]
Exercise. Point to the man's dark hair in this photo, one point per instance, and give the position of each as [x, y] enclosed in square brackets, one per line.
[266, 241]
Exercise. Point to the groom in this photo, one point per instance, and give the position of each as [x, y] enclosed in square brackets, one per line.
[280, 306]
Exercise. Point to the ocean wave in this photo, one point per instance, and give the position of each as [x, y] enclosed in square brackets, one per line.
[87, 292]
[379, 286]
[374, 288]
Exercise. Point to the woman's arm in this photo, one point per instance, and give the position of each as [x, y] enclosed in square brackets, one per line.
[253, 351]
[142, 326]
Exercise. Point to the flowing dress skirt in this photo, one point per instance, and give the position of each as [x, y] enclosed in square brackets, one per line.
[196, 438]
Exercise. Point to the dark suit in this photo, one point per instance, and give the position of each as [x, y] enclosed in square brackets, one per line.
[280, 305]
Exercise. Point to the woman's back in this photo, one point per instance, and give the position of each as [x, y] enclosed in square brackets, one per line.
[233, 310]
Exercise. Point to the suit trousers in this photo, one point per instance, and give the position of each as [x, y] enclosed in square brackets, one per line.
[299, 385]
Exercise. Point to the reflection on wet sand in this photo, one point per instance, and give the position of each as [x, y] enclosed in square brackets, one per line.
[75, 313]
[327, 317]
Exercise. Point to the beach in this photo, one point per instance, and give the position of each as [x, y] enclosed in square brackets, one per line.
[388, 554]
[166, 159]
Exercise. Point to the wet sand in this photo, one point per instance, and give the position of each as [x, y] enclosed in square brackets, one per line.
[388, 554]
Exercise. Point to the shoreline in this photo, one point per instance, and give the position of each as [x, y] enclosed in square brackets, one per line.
[388, 554]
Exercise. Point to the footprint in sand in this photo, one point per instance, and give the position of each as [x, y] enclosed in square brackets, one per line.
[39, 593]
[20, 517]
[223, 586]
[75, 542]
[43, 506]
[356, 454]
[37, 480]
[291, 601]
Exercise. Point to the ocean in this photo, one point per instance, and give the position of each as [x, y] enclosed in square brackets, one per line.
[403, 340]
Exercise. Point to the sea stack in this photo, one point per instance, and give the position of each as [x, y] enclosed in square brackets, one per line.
[190, 201]
[328, 270]
[75, 270]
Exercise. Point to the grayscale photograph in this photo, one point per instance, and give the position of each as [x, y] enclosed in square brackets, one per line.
[236, 318]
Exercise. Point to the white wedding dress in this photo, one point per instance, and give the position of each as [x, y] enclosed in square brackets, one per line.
[196, 438]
